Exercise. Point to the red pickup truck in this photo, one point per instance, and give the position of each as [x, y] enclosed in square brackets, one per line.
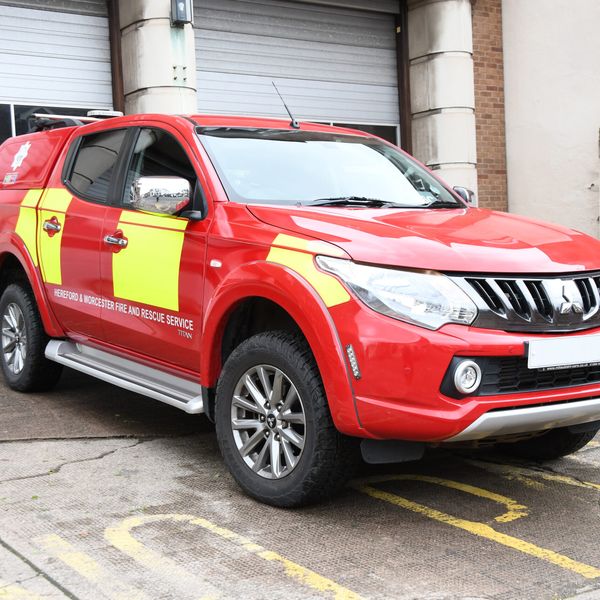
[301, 285]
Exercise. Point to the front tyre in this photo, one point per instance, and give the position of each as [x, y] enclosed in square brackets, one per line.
[23, 339]
[274, 426]
[550, 445]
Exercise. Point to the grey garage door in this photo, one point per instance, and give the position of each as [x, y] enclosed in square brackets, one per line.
[331, 63]
[55, 52]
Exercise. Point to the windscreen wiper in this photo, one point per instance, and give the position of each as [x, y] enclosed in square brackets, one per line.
[356, 201]
[443, 204]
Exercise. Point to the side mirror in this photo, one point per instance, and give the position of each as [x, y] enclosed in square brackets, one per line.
[467, 195]
[163, 195]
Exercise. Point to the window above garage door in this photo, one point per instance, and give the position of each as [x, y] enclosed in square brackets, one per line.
[331, 63]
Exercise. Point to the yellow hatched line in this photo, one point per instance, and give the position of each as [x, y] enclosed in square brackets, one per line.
[524, 473]
[88, 568]
[515, 510]
[11, 591]
[481, 530]
[121, 537]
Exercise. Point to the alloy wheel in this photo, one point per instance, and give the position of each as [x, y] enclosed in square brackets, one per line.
[14, 338]
[268, 421]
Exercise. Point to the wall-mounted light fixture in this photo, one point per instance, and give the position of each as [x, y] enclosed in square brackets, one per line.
[182, 12]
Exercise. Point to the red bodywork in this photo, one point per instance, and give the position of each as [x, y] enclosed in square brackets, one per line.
[402, 365]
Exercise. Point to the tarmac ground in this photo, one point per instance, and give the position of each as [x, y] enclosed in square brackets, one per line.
[106, 494]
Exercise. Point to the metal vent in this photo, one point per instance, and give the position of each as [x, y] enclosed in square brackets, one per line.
[553, 304]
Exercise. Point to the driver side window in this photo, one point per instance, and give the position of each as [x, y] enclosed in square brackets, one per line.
[157, 154]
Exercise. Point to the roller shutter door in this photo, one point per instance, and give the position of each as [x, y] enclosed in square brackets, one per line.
[55, 53]
[330, 63]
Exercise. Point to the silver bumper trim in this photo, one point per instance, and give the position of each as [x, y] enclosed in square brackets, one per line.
[528, 419]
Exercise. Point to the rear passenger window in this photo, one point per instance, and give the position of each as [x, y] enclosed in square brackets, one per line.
[157, 154]
[94, 164]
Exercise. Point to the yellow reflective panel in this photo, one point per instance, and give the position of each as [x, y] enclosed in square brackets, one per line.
[327, 286]
[31, 198]
[154, 220]
[26, 223]
[54, 203]
[316, 246]
[147, 270]
[57, 199]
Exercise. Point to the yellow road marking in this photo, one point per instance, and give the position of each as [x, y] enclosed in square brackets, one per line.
[11, 591]
[120, 537]
[477, 528]
[525, 474]
[88, 568]
[515, 510]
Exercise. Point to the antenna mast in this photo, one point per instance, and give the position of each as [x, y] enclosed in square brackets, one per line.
[293, 123]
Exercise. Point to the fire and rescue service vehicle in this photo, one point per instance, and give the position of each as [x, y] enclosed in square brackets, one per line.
[302, 285]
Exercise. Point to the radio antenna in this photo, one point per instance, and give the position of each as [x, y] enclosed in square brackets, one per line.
[293, 123]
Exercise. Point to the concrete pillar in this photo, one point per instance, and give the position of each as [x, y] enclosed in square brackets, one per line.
[159, 62]
[442, 88]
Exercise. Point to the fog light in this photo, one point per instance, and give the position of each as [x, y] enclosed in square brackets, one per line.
[467, 377]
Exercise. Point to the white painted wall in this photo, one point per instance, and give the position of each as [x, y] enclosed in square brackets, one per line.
[552, 89]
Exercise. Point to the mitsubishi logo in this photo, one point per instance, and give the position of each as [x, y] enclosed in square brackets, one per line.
[570, 304]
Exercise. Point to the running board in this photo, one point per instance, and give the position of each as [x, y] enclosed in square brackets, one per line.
[132, 376]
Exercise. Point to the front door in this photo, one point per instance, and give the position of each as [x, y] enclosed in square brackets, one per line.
[70, 225]
[153, 264]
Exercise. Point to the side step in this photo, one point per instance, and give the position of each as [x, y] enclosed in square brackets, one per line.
[132, 376]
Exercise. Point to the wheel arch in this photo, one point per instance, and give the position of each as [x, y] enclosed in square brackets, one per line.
[16, 264]
[258, 288]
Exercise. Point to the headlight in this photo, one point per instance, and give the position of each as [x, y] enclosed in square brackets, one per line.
[426, 299]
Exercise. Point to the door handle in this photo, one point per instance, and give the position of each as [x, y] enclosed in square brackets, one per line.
[51, 226]
[117, 240]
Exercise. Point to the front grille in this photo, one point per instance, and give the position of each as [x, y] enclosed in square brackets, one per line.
[549, 304]
[510, 375]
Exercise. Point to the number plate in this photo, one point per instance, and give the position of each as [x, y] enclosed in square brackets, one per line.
[582, 350]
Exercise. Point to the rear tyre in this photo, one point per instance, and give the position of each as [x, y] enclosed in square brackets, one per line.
[549, 445]
[23, 341]
[273, 423]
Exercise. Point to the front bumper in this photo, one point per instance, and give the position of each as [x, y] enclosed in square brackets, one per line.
[530, 418]
[402, 369]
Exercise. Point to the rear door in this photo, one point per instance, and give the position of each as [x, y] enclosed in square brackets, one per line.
[156, 272]
[70, 221]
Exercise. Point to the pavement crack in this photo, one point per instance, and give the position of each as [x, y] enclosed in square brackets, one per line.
[57, 469]
[19, 581]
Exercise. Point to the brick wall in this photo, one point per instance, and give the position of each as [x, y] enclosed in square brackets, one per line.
[489, 103]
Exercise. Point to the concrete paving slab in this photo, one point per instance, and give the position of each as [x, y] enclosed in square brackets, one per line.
[18, 580]
[83, 407]
[159, 519]
[144, 508]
